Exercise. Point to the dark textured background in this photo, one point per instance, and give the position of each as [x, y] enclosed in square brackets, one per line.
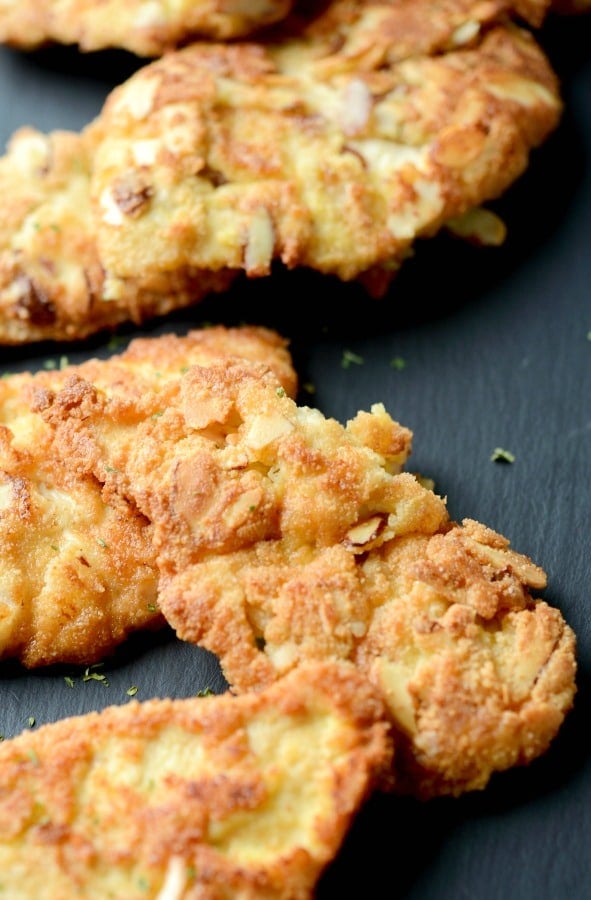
[497, 351]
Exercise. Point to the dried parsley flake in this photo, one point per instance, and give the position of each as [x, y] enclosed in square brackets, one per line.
[499, 454]
[349, 357]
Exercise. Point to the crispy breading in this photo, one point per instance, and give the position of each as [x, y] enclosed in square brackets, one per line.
[283, 536]
[145, 27]
[78, 570]
[333, 149]
[212, 797]
[334, 146]
[52, 282]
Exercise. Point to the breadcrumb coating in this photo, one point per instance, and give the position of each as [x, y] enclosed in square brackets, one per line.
[144, 27]
[334, 144]
[210, 797]
[77, 569]
[283, 536]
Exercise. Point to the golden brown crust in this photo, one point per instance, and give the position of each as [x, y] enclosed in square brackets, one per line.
[78, 570]
[211, 797]
[145, 28]
[283, 536]
[52, 281]
[334, 146]
[78, 575]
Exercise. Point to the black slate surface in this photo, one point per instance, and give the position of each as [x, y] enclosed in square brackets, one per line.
[498, 353]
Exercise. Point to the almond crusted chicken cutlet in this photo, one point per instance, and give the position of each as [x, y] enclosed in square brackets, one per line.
[51, 277]
[153, 27]
[144, 27]
[283, 536]
[210, 797]
[78, 571]
[332, 146]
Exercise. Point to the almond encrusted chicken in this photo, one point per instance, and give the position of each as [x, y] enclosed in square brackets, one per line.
[78, 570]
[332, 145]
[144, 27]
[209, 797]
[51, 277]
[283, 536]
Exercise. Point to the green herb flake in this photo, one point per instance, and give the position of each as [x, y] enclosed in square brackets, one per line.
[69, 681]
[55, 547]
[101, 543]
[1, 737]
[64, 362]
[90, 675]
[50, 364]
[205, 692]
[499, 454]
[157, 415]
[184, 369]
[33, 757]
[398, 363]
[280, 392]
[349, 357]
[110, 470]
[589, 335]
[131, 691]
[152, 607]
[31, 721]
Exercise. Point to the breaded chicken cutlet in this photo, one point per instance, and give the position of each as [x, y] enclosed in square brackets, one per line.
[210, 797]
[144, 27]
[52, 282]
[77, 570]
[332, 149]
[333, 146]
[283, 536]
[151, 28]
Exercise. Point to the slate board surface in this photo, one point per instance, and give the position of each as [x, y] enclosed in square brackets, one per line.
[497, 351]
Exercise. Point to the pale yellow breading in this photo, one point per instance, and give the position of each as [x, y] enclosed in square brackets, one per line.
[283, 536]
[52, 282]
[213, 797]
[78, 570]
[144, 27]
[334, 146]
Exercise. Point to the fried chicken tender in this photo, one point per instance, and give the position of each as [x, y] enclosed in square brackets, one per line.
[283, 536]
[210, 797]
[52, 282]
[333, 146]
[144, 27]
[78, 571]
